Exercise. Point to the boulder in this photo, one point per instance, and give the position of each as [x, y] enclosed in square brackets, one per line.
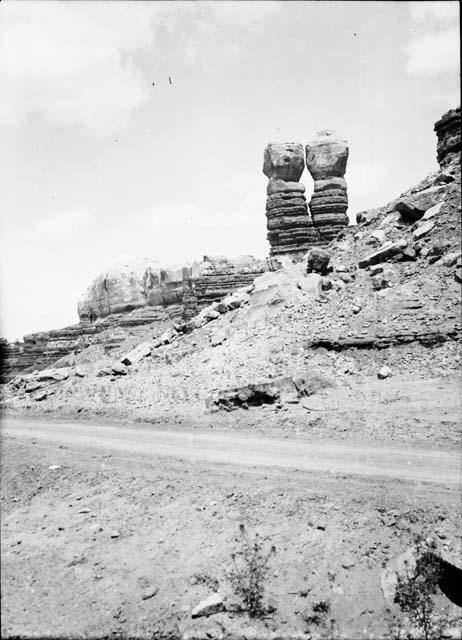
[450, 259]
[52, 374]
[33, 386]
[385, 372]
[138, 353]
[118, 369]
[366, 217]
[433, 211]
[413, 208]
[423, 228]
[209, 606]
[386, 251]
[168, 336]
[236, 299]
[105, 371]
[209, 313]
[378, 235]
[218, 336]
[317, 261]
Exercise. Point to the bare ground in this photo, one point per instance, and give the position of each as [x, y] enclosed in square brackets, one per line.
[123, 542]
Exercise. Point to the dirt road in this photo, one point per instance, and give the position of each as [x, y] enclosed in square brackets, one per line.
[404, 462]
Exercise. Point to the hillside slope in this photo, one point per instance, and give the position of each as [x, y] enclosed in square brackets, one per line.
[391, 296]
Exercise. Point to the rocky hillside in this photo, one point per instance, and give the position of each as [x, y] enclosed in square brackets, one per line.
[128, 302]
[385, 292]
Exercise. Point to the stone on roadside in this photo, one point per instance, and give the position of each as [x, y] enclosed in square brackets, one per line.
[385, 372]
[213, 604]
[79, 372]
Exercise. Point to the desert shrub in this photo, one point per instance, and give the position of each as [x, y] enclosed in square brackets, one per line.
[249, 573]
[319, 612]
[414, 596]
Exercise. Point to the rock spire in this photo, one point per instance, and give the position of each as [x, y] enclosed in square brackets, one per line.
[326, 160]
[290, 228]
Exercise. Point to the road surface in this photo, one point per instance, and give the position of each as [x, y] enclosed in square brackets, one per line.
[403, 462]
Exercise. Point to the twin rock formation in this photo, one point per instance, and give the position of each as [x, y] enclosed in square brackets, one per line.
[292, 230]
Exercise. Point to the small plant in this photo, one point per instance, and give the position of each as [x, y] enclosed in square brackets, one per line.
[320, 611]
[249, 573]
[206, 579]
[414, 594]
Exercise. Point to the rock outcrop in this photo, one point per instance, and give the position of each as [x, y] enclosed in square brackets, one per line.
[326, 160]
[448, 133]
[126, 301]
[217, 276]
[290, 228]
[124, 287]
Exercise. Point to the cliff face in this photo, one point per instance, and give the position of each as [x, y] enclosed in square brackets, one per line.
[125, 287]
[448, 133]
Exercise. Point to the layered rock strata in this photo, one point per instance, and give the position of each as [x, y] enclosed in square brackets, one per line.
[218, 276]
[448, 133]
[41, 350]
[290, 228]
[326, 160]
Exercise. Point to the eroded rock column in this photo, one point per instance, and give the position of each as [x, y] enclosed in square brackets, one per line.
[326, 160]
[290, 228]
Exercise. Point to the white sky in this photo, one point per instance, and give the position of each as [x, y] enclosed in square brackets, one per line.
[99, 165]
